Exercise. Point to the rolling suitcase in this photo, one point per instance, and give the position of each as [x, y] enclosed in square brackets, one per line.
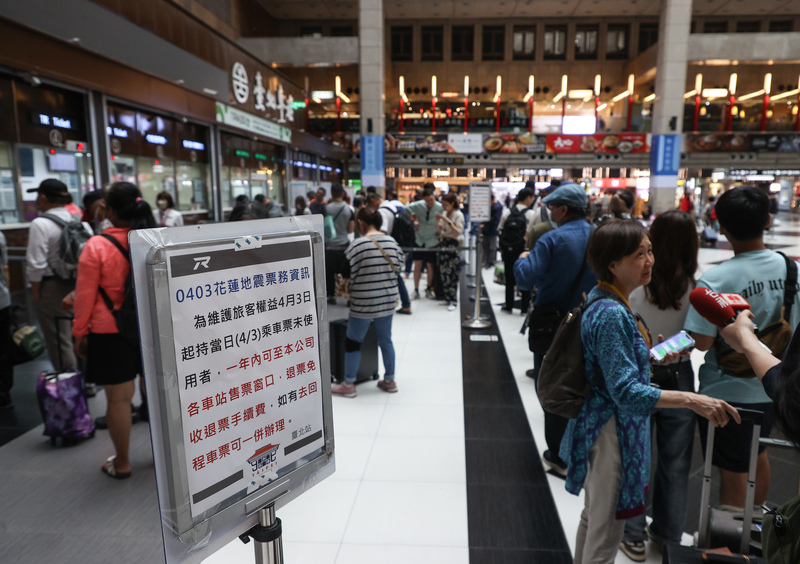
[368, 369]
[62, 402]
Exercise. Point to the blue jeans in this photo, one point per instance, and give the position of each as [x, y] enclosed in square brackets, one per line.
[405, 303]
[356, 331]
[674, 435]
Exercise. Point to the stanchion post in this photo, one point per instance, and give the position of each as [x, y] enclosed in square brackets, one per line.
[267, 537]
[474, 321]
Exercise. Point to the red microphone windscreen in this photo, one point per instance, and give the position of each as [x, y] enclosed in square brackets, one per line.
[712, 306]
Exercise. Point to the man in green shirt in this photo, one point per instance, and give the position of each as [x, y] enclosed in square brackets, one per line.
[423, 213]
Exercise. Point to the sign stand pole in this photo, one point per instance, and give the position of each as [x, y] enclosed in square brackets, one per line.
[475, 321]
[267, 534]
[472, 259]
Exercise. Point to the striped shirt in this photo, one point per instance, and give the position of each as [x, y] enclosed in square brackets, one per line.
[373, 284]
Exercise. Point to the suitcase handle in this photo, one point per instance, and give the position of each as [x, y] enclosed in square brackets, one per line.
[757, 417]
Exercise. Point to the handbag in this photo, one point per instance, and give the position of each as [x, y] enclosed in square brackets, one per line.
[28, 344]
[776, 335]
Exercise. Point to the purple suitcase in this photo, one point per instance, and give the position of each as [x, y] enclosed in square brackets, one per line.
[62, 401]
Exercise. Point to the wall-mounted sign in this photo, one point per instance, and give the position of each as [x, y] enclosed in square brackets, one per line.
[194, 145]
[154, 139]
[53, 121]
[264, 99]
[254, 124]
[117, 132]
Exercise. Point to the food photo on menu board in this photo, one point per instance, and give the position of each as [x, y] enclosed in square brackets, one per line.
[598, 143]
[741, 142]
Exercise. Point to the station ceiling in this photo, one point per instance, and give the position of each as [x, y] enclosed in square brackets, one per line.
[505, 9]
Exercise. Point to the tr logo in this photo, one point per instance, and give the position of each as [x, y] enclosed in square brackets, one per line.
[198, 261]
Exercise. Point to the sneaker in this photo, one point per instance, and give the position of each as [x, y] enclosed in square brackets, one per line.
[452, 306]
[404, 310]
[430, 294]
[345, 389]
[387, 386]
[555, 464]
[415, 295]
[634, 550]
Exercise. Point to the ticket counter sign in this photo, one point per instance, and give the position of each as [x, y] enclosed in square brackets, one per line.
[248, 363]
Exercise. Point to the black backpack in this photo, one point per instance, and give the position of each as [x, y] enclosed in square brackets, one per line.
[73, 238]
[562, 386]
[125, 316]
[512, 237]
[403, 230]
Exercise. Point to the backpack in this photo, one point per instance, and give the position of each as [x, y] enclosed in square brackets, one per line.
[780, 534]
[73, 239]
[512, 237]
[330, 224]
[562, 385]
[125, 316]
[403, 230]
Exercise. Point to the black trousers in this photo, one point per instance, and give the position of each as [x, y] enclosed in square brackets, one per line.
[6, 350]
[554, 425]
[509, 258]
[334, 264]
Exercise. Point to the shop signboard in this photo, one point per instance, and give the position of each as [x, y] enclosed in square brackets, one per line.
[472, 143]
[236, 365]
[372, 171]
[614, 143]
[741, 143]
[230, 116]
[665, 159]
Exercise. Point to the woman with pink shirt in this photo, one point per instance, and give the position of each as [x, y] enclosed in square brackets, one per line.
[112, 361]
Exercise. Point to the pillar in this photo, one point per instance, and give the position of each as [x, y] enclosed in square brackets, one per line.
[370, 78]
[674, 28]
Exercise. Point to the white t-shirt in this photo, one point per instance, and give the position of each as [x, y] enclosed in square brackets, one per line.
[666, 322]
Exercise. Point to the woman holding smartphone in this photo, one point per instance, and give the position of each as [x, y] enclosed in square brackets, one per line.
[664, 303]
[607, 446]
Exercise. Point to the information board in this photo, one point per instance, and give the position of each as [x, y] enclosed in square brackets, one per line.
[248, 363]
[480, 202]
[236, 361]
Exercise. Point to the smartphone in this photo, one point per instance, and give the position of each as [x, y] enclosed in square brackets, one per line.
[675, 344]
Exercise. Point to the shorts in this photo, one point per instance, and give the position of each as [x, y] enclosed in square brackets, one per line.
[732, 442]
[426, 256]
[111, 359]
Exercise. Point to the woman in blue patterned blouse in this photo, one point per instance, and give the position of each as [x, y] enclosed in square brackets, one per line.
[607, 447]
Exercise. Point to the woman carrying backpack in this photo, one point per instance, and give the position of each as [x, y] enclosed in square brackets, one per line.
[112, 360]
[607, 447]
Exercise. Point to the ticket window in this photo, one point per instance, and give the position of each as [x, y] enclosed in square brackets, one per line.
[9, 212]
[155, 176]
[239, 186]
[194, 180]
[36, 164]
[123, 169]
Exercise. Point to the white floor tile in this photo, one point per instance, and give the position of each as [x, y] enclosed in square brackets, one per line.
[416, 459]
[352, 454]
[430, 390]
[401, 554]
[423, 421]
[320, 514]
[416, 514]
[356, 418]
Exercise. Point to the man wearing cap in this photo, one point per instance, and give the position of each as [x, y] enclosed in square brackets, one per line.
[555, 266]
[49, 287]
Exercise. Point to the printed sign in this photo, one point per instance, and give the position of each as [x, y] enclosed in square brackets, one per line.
[254, 124]
[665, 159]
[741, 142]
[598, 143]
[480, 201]
[372, 171]
[248, 362]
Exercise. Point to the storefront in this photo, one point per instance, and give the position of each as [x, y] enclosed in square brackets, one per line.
[251, 168]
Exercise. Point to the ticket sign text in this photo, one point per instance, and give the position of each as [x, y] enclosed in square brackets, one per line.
[248, 362]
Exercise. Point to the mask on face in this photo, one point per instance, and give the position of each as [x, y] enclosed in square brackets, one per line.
[162, 204]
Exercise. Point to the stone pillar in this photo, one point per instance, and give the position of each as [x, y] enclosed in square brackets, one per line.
[673, 40]
[370, 79]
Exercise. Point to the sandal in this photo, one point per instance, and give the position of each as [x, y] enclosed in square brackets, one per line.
[109, 469]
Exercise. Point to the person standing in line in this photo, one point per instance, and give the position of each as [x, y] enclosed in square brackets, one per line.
[300, 206]
[6, 343]
[514, 224]
[49, 286]
[112, 360]
[374, 260]
[450, 226]
[664, 304]
[759, 275]
[318, 204]
[555, 266]
[424, 213]
[166, 215]
[490, 230]
[344, 223]
[607, 445]
[387, 209]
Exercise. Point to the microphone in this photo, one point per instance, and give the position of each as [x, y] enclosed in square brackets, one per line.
[713, 306]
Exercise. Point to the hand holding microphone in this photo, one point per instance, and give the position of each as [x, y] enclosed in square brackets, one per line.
[715, 307]
[740, 333]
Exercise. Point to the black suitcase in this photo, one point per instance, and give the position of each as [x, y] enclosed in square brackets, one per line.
[675, 554]
[368, 369]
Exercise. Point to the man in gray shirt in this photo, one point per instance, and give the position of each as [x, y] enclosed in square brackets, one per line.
[424, 214]
[344, 222]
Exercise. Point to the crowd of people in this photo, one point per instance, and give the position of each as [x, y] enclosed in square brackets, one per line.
[557, 251]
